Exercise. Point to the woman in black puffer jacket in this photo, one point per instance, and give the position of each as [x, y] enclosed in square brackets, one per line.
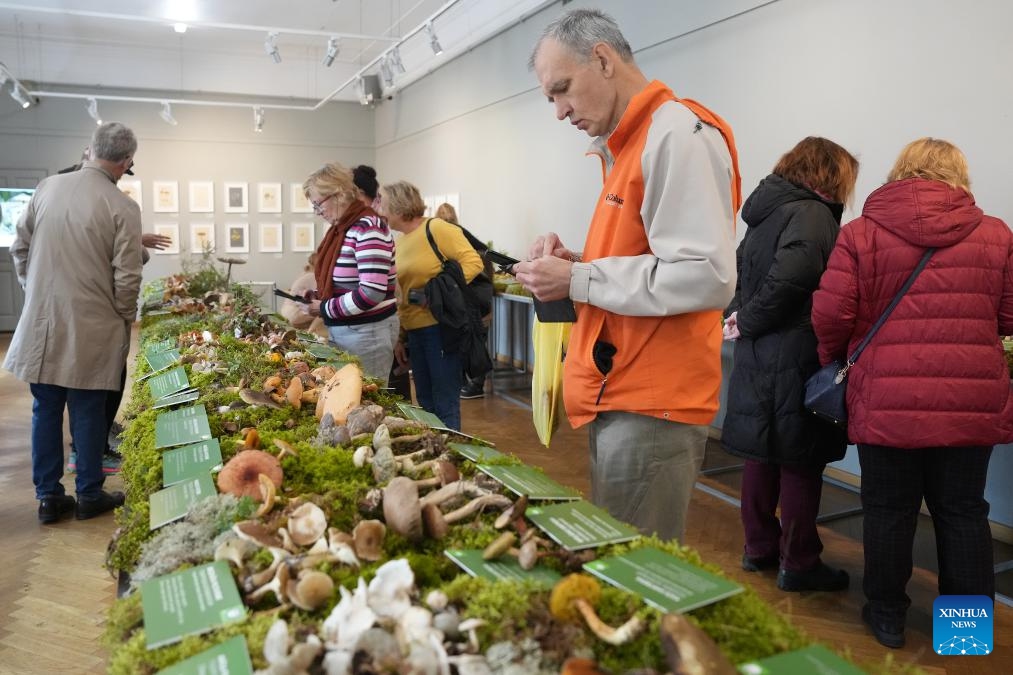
[793, 216]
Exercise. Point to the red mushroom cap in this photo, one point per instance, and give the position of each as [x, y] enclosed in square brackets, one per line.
[240, 474]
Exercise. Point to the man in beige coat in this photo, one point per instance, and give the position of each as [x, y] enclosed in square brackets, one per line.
[78, 254]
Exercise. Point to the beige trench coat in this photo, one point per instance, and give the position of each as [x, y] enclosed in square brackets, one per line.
[77, 254]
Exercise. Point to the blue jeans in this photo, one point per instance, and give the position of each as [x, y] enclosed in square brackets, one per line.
[437, 375]
[373, 344]
[87, 428]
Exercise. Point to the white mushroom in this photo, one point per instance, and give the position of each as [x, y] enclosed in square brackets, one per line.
[390, 590]
[276, 643]
[349, 619]
[307, 524]
[470, 626]
[234, 550]
[277, 585]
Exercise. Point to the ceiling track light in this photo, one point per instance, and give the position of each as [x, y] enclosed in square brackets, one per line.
[271, 47]
[19, 94]
[258, 119]
[433, 41]
[93, 110]
[396, 62]
[386, 72]
[166, 114]
[333, 47]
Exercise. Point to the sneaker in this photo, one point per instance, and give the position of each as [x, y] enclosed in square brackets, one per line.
[96, 506]
[889, 634]
[55, 507]
[110, 463]
[473, 390]
[751, 564]
[822, 577]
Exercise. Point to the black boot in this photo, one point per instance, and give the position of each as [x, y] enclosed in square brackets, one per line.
[819, 578]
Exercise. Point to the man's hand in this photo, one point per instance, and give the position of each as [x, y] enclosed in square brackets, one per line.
[156, 241]
[547, 277]
[551, 245]
[730, 329]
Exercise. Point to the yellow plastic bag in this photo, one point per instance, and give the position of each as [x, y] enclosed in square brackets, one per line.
[550, 341]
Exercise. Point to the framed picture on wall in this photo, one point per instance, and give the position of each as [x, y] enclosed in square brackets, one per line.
[170, 230]
[132, 189]
[303, 237]
[297, 200]
[202, 238]
[166, 196]
[202, 196]
[236, 197]
[269, 197]
[237, 238]
[270, 238]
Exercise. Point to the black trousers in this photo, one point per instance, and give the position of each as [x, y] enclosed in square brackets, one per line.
[952, 482]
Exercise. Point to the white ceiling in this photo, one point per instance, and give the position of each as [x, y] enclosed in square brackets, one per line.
[128, 47]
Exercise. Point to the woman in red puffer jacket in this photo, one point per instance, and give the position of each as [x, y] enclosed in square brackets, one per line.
[930, 395]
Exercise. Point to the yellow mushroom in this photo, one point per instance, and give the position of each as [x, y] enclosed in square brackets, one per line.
[575, 595]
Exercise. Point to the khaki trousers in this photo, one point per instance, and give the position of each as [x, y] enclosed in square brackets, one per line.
[643, 470]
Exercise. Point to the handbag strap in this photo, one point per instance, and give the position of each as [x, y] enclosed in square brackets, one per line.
[886, 312]
[432, 242]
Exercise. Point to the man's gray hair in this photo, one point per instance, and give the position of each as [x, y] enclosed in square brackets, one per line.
[113, 142]
[579, 30]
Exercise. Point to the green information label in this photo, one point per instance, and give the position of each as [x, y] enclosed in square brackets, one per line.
[190, 461]
[182, 426]
[662, 580]
[231, 657]
[176, 399]
[189, 602]
[505, 568]
[813, 660]
[476, 453]
[162, 359]
[580, 524]
[169, 382]
[323, 352]
[160, 346]
[172, 503]
[413, 412]
[527, 480]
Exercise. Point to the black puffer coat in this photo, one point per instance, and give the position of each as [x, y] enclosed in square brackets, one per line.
[791, 234]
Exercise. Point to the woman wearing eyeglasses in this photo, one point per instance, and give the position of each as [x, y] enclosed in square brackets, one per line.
[354, 271]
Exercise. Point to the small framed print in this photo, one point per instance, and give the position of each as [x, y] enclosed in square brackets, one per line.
[202, 237]
[166, 193]
[170, 230]
[236, 198]
[270, 238]
[132, 189]
[237, 238]
[269, 197]
[298, 201]
[202, 196]
[303, 237]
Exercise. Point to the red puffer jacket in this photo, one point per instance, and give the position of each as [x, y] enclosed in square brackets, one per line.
[934, 375]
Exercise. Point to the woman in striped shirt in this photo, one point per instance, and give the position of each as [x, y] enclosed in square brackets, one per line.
[355, 272]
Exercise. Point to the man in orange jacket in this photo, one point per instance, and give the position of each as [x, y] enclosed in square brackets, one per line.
[643, 366]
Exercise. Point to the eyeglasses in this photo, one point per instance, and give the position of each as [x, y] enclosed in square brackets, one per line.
[318, 207]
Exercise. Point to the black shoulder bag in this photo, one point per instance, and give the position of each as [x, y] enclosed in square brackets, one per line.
[826, 390]
[458, 307]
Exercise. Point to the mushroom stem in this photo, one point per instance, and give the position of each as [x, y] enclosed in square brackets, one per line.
[475, 505]
[613, 636]
[450, 490]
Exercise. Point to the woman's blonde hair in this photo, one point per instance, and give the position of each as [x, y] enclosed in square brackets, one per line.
[446, 212]
[332, 179]
[933, 159]
[403, 200]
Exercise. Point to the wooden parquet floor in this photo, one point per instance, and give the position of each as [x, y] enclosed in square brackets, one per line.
[55, 594]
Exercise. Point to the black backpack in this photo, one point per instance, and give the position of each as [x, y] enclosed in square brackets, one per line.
[481, 286]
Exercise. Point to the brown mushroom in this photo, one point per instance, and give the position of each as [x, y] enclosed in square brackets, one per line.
[294, 393]
[285, 449]
[311, 590]
[433, 522]
[267, 494]
[499, 546]
[689, 650]
[258, 398]
[240, 475]
[512, 514]
[368, 536]
[341, 393]
[401, 508]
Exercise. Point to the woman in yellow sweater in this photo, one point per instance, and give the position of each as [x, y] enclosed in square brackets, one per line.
[437, 373]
